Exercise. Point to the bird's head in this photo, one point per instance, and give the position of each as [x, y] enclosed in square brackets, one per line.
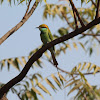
[43, 28]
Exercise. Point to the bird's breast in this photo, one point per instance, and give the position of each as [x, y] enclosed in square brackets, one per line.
[45, 38]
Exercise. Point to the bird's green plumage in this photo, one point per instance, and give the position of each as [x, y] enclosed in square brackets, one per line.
[46, 37]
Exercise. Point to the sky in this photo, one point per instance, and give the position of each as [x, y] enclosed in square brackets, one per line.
[27, 38]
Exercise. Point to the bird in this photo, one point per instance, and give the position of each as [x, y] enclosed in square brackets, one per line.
[47, 37]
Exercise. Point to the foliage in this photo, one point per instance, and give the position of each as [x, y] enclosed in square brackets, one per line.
[30, 88]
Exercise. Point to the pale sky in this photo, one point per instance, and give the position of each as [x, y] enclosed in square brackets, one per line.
[27, 38]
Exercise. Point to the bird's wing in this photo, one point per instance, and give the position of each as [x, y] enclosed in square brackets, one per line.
[50, 35]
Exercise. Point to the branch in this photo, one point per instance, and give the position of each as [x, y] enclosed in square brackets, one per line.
[73, 6]
[74, 14]
[64, 15]
[27, 8]
[39, 53]
[97, 12]
[93, 3]
[89, 73]
[91, 34]
[10, 32]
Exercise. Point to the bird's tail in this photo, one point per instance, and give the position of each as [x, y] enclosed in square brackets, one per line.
[54, 59]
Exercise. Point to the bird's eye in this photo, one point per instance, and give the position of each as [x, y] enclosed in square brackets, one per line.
[44, 28]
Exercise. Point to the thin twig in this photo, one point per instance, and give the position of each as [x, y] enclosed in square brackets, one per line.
[75, 19]
[91, 34]
[89, 73]
[79, 18]
[64, 15]
[98, 8]
[27, 8]
[97, 39]
[74, 14]
[85, 98]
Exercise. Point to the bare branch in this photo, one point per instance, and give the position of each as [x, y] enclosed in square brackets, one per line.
[39, 53]
[27, 9]
[93, 3]
[64, 15]
[91, 34]
[74, 13]
[10, 32]
[79, 18]
[98, 8]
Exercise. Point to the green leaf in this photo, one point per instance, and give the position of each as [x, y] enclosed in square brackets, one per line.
[21, 1]
[34, 94]
[56, 80]
[91, 50]
[75, 87]
[43, 88]
[50, 84]
[75, 45]
[72, 83]
[38, 92]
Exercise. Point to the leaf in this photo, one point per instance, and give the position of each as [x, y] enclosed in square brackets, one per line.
[75, 87]
[56, 80]
[37, 91]
[50, 84]
[88, 66]
[19, 62]
[16, 63]
[33, 93]
[62, 31]
[75, 46]
[79, 92]
[73, 82]
[13, 63]
[79, 66]
[82, 45]
[89, 85]
[82, 76]
[24, 60]
[93, 66]
[27, 84]
[2, 63]
[96, 70]
[61, 77]
[91, 50]
[21, 1]
[39, 75]
[43, 88]
[28, 93]
[35, 78]
[83, 66]
[32, 82]
[39, 63]
[13, 90]
[47, 55]
[45, 1]
[98, 27]
[68, 46]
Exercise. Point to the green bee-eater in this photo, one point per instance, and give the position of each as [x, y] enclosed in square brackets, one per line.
[46, 37]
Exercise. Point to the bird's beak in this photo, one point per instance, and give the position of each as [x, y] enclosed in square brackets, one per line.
[37, 27]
